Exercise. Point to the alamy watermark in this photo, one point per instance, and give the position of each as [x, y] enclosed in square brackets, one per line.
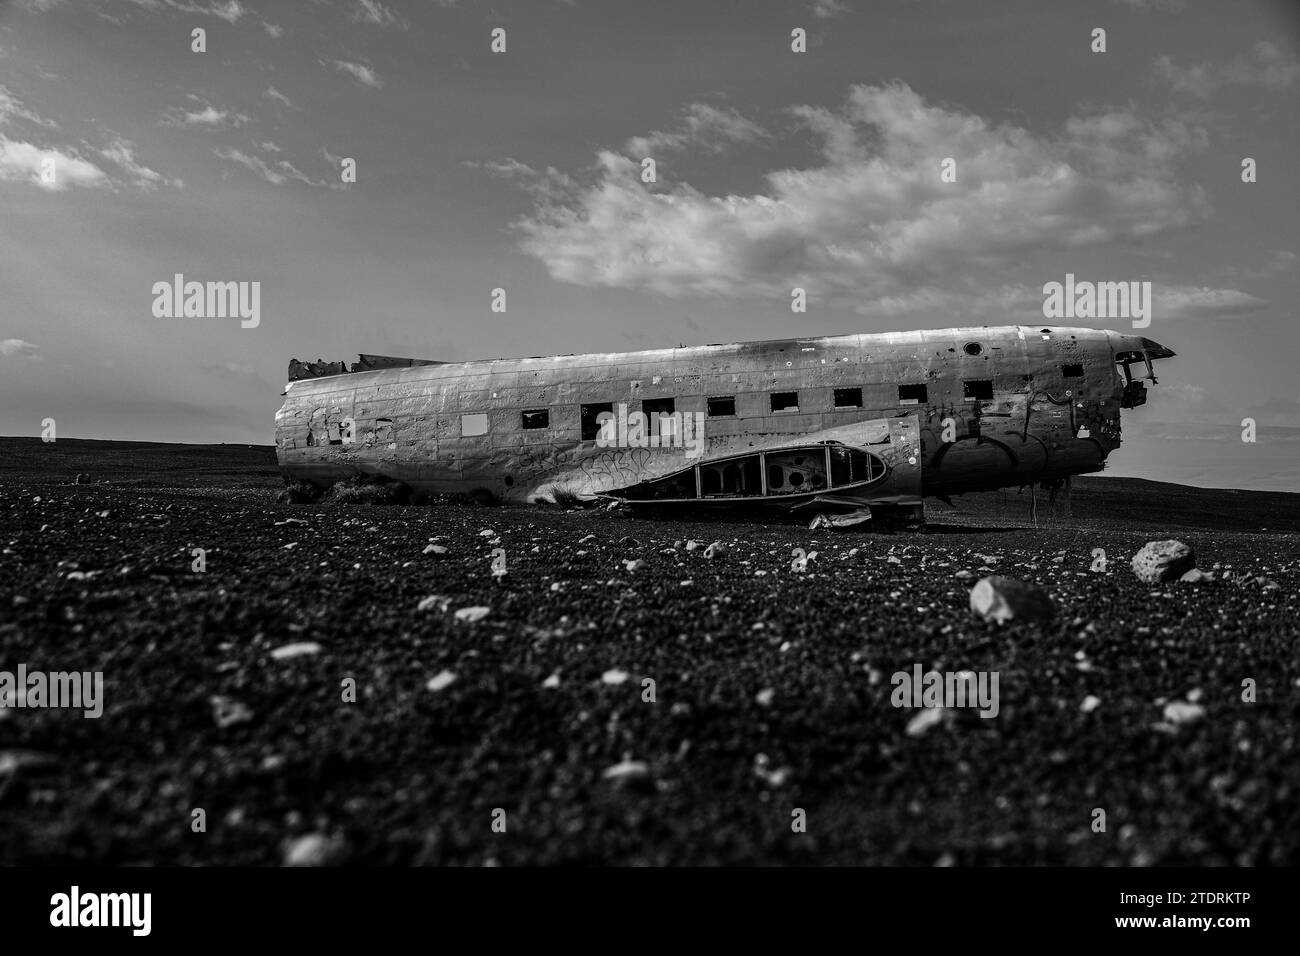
[1098, 300]
[656, 430]
[946, 689]
[179, 299]
[78, 690]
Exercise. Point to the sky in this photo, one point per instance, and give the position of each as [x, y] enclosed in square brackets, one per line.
[522, 170]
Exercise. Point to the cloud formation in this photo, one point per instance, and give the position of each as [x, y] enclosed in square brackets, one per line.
[53, 170]
[17, 348]
[277, 173]
[1268, 67]
[711, 129]
[873, 227]
[360, 72]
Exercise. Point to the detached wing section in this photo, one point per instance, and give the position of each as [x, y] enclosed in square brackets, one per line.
[868, 463]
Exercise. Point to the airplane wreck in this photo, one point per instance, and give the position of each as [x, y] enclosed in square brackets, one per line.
[828, 425]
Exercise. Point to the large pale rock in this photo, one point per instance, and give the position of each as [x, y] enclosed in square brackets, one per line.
[996, 598]
[1160, 561]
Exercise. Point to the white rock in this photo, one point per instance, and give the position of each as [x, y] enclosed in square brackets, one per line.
[1000, 599]
[300, 649]
[922, 722]
[627, 770]
[1180, 712]
[434, 602]
[314, 849]
[551, 682]
[441, 681]
[227, 711]
[764, 697]
[470, 615]
[1090, 703]
[1160, 561]
[614, 676]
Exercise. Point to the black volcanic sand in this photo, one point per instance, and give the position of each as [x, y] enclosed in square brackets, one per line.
[408, 774]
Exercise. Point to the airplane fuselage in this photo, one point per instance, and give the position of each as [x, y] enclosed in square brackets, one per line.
[937, 413]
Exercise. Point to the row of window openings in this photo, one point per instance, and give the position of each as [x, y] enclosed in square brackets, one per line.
[722, 407]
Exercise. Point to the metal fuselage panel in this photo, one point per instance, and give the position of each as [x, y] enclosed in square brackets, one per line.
[1002, 406]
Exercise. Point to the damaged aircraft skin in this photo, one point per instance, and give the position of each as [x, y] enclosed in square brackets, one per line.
[846, 422]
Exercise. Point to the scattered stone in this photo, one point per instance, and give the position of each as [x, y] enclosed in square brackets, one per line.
[1160, 561]
[15, 760]
[764, 697]
[436, 550]
[590, 537]
[964, 575]
[627, 771]
[434, 602]
[692, 545]
[227, 711]
[1196, 576]
[314, 849]
[1090, 703]
[1181, 712]
[1000, 599]
[441, 681]
[715, 550]
[290, 651]
[922, 722]
[551, 682]
[280, 524]
[471, 615]
[614, 676]
[635, 565]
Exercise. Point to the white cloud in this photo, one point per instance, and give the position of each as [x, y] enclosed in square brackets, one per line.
[228, 10]
[360, 72]
[705, 126]
[1195, 302]
[11, 107]
[1268, 67]
[375, 13]
[122, 153]
[278, 97]
[23, 162]
[11, 348]
[828, 9]
[873, 227]
[209, 116]
[277, 173]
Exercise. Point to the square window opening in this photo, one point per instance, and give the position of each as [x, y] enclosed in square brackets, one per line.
[723, 406]
[590, 416]
[848, 398]
[785, 401]
[912, 395]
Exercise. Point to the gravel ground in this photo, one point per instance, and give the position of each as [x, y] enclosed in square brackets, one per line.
[771, 685]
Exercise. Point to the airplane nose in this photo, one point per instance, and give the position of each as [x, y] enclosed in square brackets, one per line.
[1155, 350]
